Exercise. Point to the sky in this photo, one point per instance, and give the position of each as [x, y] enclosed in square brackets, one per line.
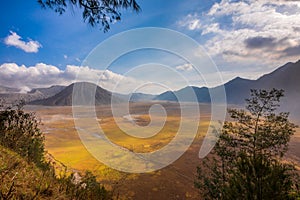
[39, 48]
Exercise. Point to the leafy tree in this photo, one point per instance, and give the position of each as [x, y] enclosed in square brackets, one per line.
[94, 12]
[246, 162]
[19, 132]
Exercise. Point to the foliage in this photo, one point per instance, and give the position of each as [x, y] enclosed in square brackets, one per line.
[22, 180]
[24, 172]
[95, 12]
[246, 162]
[83, 187]
[19, 132]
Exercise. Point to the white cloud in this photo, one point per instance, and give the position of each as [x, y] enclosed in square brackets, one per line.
[256, 21]
[191, 21]
[185, 67]
[65, 57]
[43, 75]
[252, 32]
[15, 40]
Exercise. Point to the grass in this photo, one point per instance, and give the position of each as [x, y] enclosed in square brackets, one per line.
[63, 142]
[22, 180]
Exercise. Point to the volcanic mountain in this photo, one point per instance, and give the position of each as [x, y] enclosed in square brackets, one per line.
[64, 97]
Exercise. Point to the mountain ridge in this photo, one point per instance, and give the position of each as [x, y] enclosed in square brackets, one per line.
[64, 97]
[285, 77]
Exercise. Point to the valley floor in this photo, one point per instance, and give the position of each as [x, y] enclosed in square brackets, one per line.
[173, 182]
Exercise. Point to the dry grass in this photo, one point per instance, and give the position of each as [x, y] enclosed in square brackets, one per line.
[22, 180]
[172, 182]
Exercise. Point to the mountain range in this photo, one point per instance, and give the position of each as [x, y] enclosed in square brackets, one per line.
[286, 77]
[10, 95]
[5, 90]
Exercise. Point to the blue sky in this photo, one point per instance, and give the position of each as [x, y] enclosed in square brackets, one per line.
[67, 34]
[244, 38]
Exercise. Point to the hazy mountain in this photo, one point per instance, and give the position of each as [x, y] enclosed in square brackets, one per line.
[135, 97]
[47, 92]
[64, 97]
[188, 94]
[11, 95]
[286, 77]
[5, 90]
[139, 97]
[166, 96]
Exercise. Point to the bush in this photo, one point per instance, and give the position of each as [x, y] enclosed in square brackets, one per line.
[83, 187]
[19, 132]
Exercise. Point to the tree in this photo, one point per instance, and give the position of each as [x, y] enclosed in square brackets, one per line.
[247, 161]
[94, 12]
[19, 132]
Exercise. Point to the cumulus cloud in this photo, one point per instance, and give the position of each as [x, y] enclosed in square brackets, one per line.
[252, 31]
[43, 75]
[185, 67]
[15, 40]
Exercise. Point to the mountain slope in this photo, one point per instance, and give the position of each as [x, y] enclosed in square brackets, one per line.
[11, 95]
[64, 97]
[140, 97]
[285, 77]
[5, 90]
[47, 92]
[135, 97]
[26, 180]
[189, 94]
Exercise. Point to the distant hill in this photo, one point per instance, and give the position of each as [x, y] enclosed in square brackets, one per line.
[186, 94]
[11, 95]
[139, 97]
[5, 90]
[64, 97]
[136, 97]
[286, 77]
[47, 92]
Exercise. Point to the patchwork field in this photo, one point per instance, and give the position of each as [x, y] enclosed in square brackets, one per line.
[173, 182]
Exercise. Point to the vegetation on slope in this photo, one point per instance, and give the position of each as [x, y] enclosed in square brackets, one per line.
[25, 173]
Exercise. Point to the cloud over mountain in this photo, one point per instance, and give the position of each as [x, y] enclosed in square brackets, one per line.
[43, 75]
